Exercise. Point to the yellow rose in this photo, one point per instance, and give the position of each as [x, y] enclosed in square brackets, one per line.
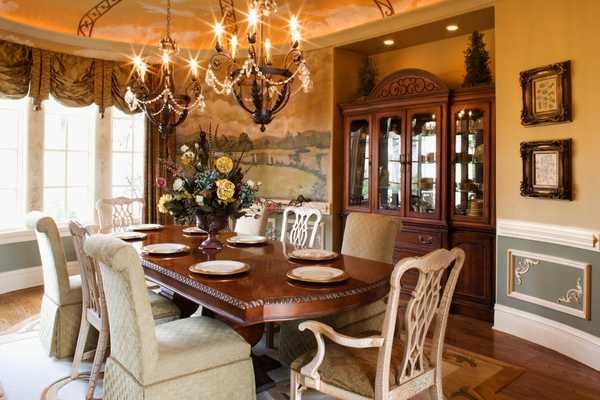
[165, 198]
[187, 158]
[224, 164]
[225, 190]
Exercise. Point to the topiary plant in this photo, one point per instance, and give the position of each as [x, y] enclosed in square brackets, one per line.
[477, 62]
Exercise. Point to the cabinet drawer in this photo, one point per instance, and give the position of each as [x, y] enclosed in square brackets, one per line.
[423, 240]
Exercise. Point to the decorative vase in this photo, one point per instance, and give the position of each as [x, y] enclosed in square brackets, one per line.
[212, 224]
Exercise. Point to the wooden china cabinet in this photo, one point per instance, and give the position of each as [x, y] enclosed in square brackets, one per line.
[416, 150]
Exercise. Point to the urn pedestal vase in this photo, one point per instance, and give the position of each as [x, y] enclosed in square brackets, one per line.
[212, 224]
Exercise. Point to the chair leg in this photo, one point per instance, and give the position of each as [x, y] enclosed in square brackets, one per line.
[84, 330]
[436, 393]
[295, 389]
[99, 358]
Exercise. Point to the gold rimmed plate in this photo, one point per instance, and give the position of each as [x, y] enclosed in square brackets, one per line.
[220, 268]
[161, 249]
[194, 230]
[317, 274]
[145, 227]
[247, 239]
[129, 235]
[313, 255]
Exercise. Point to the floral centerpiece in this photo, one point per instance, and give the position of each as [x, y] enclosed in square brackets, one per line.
[206, 190]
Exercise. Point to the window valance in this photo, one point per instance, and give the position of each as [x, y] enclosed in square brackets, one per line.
[74, 81]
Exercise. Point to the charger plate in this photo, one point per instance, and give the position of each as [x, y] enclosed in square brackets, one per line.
[145, 227]
[313, 254]
[247, 239]
[129, 235]
[219, 267]
[317, 274]
[165, 248]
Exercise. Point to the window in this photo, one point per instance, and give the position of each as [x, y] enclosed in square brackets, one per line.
[69, 137]
[13, 114]
[128, 133]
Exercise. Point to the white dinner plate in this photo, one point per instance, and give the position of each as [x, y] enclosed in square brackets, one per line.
[247, 239]
[193, 230]
[129, 235]
[145, 227]
[313, 254]
[317, 274]
[165, 248]
[219, 267]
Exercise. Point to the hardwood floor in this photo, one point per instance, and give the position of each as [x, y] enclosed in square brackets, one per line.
[548, 376]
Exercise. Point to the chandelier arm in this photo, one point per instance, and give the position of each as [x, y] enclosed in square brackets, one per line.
[240, 101]
[282, 100]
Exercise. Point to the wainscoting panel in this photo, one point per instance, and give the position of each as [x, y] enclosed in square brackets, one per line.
[553, 282]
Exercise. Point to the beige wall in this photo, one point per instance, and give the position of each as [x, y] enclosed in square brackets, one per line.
[530, 34]
[443, 58]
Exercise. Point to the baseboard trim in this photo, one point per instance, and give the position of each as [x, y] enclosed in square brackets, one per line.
[571, 342]
[28, 277]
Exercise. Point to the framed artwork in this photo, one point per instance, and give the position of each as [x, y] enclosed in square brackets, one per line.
[546, 169]
[546, 94]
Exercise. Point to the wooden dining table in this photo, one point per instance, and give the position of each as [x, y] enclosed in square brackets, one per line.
[264, 293]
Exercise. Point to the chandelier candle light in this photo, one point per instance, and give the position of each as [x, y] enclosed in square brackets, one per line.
[257, 86]
[165, 108]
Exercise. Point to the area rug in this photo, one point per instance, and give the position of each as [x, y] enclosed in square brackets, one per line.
[467, 376]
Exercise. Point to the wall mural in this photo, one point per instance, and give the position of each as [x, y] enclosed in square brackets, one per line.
[292, 157]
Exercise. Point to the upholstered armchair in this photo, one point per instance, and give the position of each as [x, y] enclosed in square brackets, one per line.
[60, 315]
[370, 236]
[188, 359]
[382, 366]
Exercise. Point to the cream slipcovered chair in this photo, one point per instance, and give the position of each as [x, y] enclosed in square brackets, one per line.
[255, 224]
[370, 236]
[118, 212]
[188, 359]
[60, 315]
[383, 366]
[94, 313]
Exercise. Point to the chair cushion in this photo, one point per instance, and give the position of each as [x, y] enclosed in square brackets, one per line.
[74, 295]
[162, 307]
[354, 369]
[194, 344]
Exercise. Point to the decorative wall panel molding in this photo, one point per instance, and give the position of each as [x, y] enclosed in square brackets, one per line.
[562, 338]
[556, 234]
[519, 263]
[28, 277]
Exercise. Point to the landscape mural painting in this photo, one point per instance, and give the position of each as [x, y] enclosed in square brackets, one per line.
[291, 158]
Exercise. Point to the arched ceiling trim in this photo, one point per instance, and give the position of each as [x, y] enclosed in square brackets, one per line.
[111, 50]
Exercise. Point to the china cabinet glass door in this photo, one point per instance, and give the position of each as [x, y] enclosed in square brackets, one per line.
[390, 163]
[424, 157]
[469, 162]
[359, 163]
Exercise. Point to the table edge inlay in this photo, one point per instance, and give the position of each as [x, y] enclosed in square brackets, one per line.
[243, 305]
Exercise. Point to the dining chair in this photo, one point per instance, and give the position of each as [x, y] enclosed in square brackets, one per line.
[190, 358]
[255, 224]
[60, 314]
[118, 212]
[300, 234]
[369, 236]
[382, 366]
[94, 312]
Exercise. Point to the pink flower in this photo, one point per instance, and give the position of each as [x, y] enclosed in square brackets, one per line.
[161, 182]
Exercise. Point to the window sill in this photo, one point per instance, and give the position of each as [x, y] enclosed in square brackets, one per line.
[20, 235]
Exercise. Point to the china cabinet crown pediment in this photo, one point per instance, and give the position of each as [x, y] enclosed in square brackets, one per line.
[419, 151]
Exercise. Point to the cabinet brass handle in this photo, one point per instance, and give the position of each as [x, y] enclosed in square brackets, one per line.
[425, 239]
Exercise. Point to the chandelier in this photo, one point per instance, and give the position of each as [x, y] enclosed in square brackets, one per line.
[258, 86]
[164, 107]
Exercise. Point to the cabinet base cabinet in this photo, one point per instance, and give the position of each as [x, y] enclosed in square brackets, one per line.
[474, 294]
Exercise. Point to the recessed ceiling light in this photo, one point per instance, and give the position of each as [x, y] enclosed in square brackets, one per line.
[452, 28]
[388, 42]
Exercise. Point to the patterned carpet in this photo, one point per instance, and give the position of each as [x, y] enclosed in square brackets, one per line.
[467, 376]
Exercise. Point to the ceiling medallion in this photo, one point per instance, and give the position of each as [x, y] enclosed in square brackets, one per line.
[164, 107]
[259, 87]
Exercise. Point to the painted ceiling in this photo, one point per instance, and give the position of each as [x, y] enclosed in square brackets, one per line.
[143, 21]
